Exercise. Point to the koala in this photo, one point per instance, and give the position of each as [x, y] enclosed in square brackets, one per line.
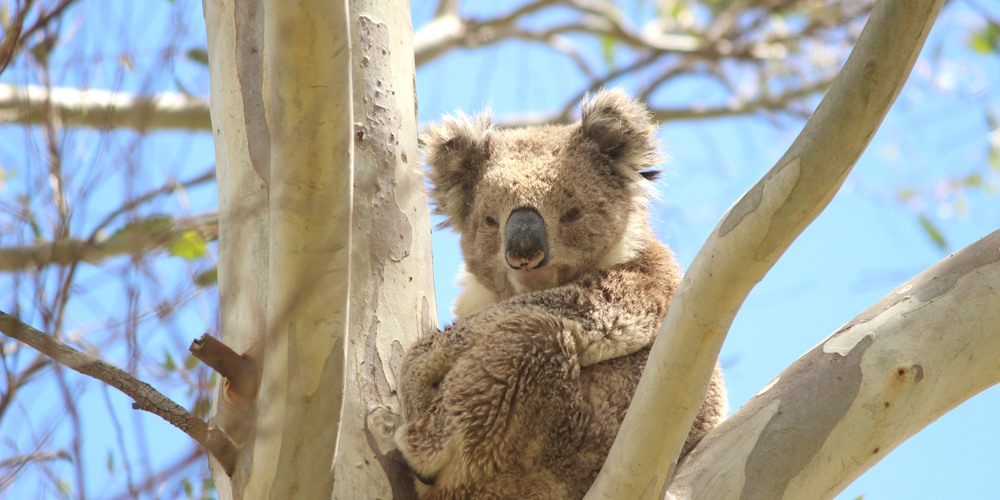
[564, 288]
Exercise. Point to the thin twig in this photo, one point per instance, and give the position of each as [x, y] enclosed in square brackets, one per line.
[145, 396]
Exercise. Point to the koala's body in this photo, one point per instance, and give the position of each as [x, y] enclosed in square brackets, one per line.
[564, 289]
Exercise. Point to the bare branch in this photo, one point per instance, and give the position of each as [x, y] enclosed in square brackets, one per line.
[39, 456]
[771, 102]
[160, 477]
[103, 109]
[135, 238]
[145, 396]
[18, 462]
[749, 240]
[16, 35]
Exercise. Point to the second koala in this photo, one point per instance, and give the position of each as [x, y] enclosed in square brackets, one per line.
[565, 287]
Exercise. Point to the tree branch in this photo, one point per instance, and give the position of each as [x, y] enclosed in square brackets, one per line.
[145, 396]
[747, 242]
[241, 376]
[738, 107]
[882, 376]
[103, 109]
[135, 238]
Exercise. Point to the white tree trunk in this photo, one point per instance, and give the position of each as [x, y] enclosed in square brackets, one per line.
[925, 348]
[392, 281]
[300, 258]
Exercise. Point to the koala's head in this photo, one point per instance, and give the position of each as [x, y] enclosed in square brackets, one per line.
[536, 207]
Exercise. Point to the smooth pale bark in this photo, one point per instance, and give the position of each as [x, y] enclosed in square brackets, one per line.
[282, 116]
[307, 101]
[242, 167]
[922, 350]
[392, 299]
[323, 221]
[749, 240]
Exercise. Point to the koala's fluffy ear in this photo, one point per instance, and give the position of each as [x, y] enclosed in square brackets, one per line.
[622, 129]
[456, 150]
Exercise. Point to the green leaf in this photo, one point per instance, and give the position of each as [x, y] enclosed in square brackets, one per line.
[35, 228]
[907, 194]
[985, 40]
[201, 407]
[188, 246]
[208, 278]
[608, 49]
[64, 487]
[198, 55]
[973, 180]
[933, 232]
[208, 484]
[188, 490]
[111, 463]
[190, 362]
[961, 206]
[168, 362]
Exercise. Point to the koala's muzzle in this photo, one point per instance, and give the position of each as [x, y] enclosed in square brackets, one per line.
[525, 240]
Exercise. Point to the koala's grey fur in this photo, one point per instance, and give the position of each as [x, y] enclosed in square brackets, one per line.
[523, 396]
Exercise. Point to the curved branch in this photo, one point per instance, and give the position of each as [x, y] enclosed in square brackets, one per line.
[104, 109]
[145, 396]
[881, 375]
[749, 240]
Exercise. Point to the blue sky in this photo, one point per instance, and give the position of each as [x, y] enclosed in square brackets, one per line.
[861, 247]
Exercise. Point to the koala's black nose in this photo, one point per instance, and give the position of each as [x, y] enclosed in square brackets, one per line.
[525, 240]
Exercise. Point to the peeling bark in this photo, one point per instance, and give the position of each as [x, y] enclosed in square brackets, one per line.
[929, 345]
[392, 300]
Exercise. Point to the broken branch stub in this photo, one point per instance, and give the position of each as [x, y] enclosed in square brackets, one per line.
[240, 374]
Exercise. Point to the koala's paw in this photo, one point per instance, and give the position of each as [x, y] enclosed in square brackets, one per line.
[426, 445]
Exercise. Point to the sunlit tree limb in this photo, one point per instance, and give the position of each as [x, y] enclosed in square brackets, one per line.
[104, 109]
[928, 346]
[749, 240]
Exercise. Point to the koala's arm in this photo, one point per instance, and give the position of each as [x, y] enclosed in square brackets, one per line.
[613, 312]
[425, 365]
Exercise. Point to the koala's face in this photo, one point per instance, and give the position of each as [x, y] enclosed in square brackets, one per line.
[537, 207]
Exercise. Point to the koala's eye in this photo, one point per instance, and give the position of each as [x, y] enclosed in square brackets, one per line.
[491, 222]
[570, 216]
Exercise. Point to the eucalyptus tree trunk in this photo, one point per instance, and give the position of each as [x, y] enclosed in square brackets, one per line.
[324, 244]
